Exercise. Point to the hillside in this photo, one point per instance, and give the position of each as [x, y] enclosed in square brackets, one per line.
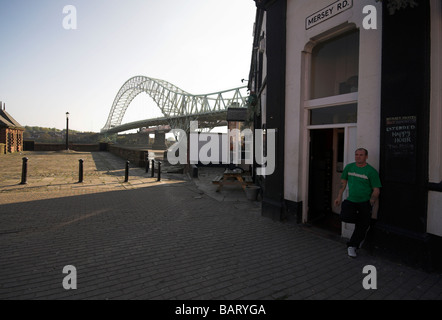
[52, 135]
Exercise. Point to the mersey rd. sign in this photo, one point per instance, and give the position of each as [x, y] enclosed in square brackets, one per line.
[328, 12]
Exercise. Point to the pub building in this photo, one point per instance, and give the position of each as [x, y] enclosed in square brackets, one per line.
[333, 76]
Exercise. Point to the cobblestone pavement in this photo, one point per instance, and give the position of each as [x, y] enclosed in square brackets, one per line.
[173, 239]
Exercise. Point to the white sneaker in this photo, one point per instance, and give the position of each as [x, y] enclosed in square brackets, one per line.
[352, 252]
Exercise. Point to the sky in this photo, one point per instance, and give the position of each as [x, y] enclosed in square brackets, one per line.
[46, 70]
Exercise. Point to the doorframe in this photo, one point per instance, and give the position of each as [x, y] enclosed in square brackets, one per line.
[307, 104]
[305, 172]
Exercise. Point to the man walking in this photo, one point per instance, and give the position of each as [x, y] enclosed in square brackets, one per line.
[363, 184]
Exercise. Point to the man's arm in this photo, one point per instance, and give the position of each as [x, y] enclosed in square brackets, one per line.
[375, 195]
[338, 200]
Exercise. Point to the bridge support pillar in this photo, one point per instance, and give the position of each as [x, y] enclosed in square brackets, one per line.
[159, 141]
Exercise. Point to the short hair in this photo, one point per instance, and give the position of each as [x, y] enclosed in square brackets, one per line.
[362, 149]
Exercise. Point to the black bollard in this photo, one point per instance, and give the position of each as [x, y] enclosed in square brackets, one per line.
[24, 171]
[153, 168]
[80, 171]
[159, 171]
[126, 177]
[147, 162]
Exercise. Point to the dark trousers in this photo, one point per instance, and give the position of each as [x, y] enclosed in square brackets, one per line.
[358, 213]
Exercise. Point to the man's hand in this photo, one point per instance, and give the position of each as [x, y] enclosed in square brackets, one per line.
[374, 196]
[338, 202]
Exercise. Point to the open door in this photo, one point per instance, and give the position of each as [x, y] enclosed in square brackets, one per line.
[327, 160]
[320, 178]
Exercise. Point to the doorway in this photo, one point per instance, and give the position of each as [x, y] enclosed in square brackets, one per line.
[325, 168]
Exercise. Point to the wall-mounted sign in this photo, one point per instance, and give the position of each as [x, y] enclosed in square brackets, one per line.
[401, 135]
[400, 149]
[328, 12]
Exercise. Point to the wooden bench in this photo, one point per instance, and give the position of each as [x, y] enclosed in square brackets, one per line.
[230, 177]
[217, 180]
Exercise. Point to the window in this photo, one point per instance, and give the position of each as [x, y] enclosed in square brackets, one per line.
[332, 115]
[335, 66]
[334, 74]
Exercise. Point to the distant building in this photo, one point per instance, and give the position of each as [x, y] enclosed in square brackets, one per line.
[11, 132]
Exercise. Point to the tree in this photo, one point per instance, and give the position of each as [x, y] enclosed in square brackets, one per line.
[394, 5]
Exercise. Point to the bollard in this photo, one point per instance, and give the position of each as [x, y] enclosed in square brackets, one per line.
[147, 162]
[153, 168]
[126, 177]
[194, 171]
[80, 171]
[159, 171]
[24, 171]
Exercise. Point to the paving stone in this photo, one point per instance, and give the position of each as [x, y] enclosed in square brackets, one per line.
[173, 239]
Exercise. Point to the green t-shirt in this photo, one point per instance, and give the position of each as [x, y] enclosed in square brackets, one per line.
[361, 182]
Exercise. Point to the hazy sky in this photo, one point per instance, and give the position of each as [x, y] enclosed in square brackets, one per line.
[201, 46]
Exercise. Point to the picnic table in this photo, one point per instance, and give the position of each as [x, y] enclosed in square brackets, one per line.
[230, 177]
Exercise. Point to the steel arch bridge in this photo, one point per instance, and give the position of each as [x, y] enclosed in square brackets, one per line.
[178, 106]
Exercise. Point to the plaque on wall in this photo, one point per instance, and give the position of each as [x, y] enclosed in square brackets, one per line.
[400, 148]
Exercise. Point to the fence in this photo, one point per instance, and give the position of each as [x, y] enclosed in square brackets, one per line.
[33, 146]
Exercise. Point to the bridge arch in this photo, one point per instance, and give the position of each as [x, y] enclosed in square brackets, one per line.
[176, 105]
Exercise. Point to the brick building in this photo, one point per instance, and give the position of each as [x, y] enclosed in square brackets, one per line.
[11, 132]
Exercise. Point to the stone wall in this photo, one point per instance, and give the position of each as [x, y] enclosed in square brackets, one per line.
[135, 156]
[32, 146]
[60, 147]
